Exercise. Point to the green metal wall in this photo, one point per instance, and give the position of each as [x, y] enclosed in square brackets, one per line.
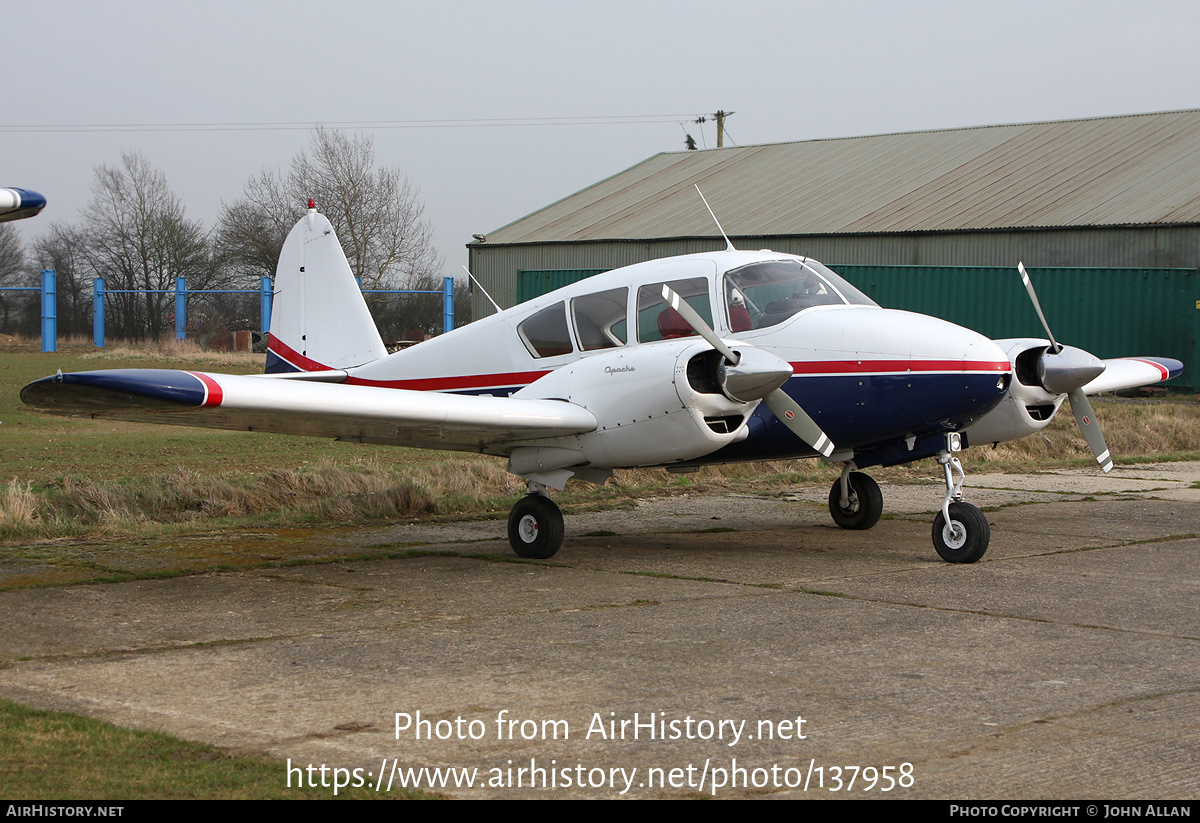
[531, 284]
[1109, 312]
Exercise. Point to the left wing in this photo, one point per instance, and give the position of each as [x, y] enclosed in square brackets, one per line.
[368, 414]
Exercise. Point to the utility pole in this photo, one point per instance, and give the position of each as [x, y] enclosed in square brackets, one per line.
[720, 116]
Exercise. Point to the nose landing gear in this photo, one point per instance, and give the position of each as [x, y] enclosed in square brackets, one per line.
[960, 531]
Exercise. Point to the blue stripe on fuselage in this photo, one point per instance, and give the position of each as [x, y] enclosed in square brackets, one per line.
[863, 411]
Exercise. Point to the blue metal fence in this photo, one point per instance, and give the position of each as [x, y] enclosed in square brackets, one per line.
[49, 290]
[264, 291]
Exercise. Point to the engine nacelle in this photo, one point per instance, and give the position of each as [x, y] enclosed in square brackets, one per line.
[1027, 408]
[653, 409]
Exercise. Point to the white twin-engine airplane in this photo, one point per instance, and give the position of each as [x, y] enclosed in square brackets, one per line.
[625, 369]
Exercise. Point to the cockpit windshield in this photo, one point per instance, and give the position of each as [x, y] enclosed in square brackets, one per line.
[763, 294]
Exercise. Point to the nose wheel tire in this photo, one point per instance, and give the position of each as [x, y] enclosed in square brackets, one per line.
[965, 538]
[864, 507]
[535, 527]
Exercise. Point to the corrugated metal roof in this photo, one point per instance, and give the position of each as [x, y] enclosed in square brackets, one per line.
[1132, 170]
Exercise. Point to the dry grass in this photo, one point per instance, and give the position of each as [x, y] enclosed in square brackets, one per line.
[1133, 429]
[328, 492]
[182, 351]
[18, 507]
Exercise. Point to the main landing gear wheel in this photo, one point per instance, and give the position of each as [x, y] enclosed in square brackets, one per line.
[535, 527]
[965, 538]
[864, 507]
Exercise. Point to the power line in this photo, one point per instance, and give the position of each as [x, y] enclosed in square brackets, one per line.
[503, 122]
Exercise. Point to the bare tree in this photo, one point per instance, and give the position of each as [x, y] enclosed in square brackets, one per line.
[250, 232]
[137, 237]
[376, 213]
[19, 312]
[397, 315]
[62, 249]
[12, 255]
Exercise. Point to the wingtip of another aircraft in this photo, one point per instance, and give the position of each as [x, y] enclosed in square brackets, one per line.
[17, 204]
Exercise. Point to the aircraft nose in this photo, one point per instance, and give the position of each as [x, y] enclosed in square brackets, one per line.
[953, 346]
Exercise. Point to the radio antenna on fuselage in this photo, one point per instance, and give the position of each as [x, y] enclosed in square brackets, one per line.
[728, 242]
[475, 280]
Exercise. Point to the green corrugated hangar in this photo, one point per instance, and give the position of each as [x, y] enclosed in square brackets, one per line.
[1105, 212]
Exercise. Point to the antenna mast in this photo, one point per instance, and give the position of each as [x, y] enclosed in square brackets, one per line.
[728, 242]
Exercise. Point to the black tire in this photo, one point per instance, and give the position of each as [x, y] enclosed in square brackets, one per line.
[535, 527]
[866, 503]
[968, 541]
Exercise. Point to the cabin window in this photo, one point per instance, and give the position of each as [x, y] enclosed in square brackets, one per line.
[658, 321]
[600, 319]
[545, 333]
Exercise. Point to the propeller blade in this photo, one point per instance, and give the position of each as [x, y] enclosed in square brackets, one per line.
[1082, 408]
[1066, 371]
[697, 323]
[1037, 306]
[795, 418]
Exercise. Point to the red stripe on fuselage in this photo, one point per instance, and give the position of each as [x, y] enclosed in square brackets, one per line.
[469, 381]
[212, 389]
[826, 367]
[285, 352]
[833, 367]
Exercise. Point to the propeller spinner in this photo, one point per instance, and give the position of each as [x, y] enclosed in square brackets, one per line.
[755, 375]
[1066, 370]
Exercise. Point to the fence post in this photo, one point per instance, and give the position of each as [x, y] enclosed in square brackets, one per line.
[264, 287]
[98, 312]
[180, 308]
[49, 308]
[447, 304]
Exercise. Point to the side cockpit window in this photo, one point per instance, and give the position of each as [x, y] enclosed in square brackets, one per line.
[600, 319]
[658, 321]
[545, 333]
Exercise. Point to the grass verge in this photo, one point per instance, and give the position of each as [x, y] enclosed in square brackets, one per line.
[47, 755]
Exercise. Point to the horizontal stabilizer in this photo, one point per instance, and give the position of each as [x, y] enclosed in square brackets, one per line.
[368, 414]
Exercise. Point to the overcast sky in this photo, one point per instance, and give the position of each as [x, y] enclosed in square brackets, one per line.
[789, 70]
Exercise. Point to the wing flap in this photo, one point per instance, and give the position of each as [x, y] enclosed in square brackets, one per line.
[347, 412]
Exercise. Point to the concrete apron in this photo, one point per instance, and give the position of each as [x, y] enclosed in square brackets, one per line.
[674, 651]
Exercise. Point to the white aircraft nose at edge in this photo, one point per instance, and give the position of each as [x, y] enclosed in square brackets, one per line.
[706, 358]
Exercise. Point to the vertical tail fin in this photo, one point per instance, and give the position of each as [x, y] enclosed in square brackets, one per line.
[319, 319]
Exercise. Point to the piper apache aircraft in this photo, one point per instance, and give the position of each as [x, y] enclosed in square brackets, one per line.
[17, 204]
[707, 358]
